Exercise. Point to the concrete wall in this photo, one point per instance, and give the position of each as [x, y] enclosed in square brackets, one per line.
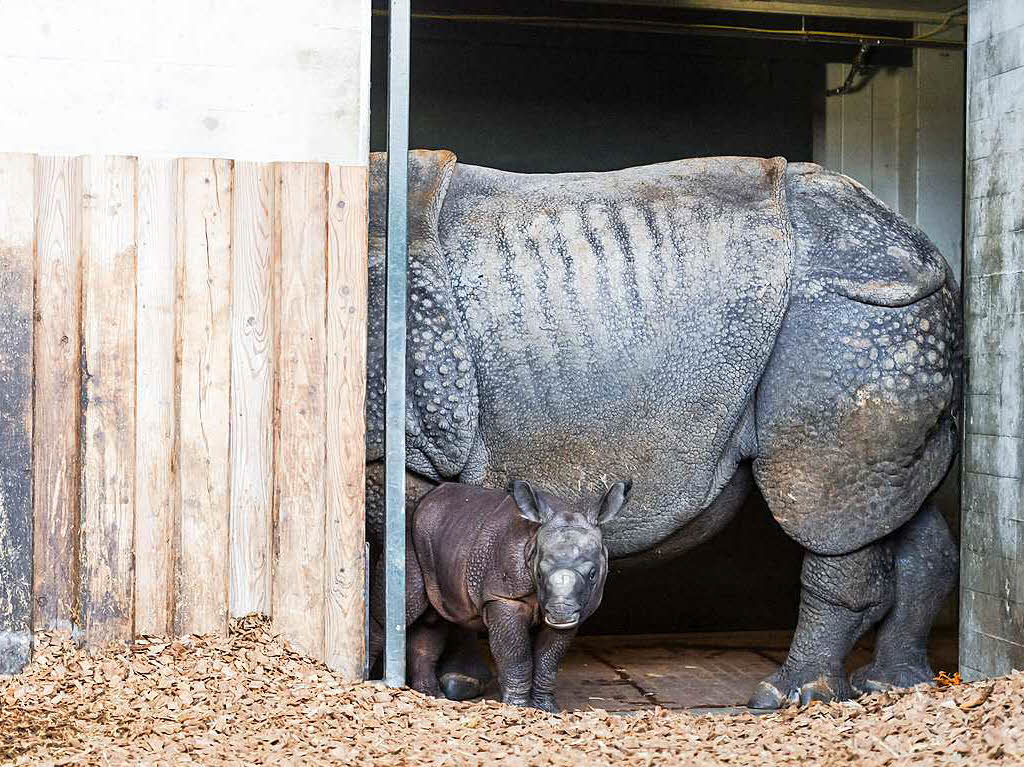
[196, 78]
[992, 570]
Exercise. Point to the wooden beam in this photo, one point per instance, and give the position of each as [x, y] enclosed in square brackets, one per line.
[344, 611]
[252, 388]
[57, 352]
[16, 307]
[155, 390]
[877, 12]
[108, 399]
[204, 333]
[298, 601]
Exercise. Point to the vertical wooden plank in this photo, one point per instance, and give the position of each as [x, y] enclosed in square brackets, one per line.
[835, 74]
[56, 361]
[204, 338]
[16, 286]
[252, 391]
[885, 124]
[154, 387]
[108, 398]
[344, 608]
[298, 600]
[857, 123]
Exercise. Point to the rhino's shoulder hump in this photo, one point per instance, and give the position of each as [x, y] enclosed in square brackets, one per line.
[849, 242]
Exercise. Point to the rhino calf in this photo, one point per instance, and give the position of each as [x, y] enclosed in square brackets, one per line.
[527, 567]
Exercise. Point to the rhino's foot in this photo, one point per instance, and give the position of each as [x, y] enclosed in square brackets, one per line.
[459, 686]
[545, 703]
[879, 677]
[427, 685]
[786, 687]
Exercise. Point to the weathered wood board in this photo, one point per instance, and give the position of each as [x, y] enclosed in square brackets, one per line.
[17, 174]
[992, 540]
[252, 387]
[204, 380]
[58, 191]
[108, 399]
[299, 537]
[346, 395]
[155, 396]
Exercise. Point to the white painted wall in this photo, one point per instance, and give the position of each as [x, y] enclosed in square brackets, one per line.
[902, 136]
[270, 80]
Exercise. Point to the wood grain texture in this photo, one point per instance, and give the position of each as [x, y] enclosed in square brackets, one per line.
[16, 306]
[203, 333]
[154, 386]
[252, 390]
[344, 607]
[298, 599]
[108, 398]
[58, 194]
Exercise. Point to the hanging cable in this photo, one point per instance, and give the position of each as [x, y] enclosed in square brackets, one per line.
[856, 69]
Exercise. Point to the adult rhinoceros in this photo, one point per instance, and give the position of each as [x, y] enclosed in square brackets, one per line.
[697, 326]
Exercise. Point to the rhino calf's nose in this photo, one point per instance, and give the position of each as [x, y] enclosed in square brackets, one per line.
[562, 582]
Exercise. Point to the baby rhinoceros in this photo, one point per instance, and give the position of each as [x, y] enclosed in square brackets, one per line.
[528, 567]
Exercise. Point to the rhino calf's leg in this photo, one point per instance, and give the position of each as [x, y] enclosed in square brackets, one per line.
[841, 598]
[463, 670]
[926, 562]
[426, 642]
[508, 625]
[549, 648]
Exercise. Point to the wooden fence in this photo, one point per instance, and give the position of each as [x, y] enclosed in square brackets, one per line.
[182, 376]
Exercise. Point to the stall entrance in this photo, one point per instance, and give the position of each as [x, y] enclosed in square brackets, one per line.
[604, 87]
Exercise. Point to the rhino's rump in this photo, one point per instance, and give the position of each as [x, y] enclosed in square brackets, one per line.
[619, 322]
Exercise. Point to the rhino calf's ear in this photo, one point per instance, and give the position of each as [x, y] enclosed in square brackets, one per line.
[614, 499]
[526, 500]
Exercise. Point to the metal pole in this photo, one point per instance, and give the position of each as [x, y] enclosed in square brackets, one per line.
[394, 412]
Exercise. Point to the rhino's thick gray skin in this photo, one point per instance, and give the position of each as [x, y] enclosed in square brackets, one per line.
[697, 325]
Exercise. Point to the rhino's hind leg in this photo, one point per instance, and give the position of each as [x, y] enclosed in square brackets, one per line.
[426, 642]
[841, 598]
[464, 672]
[926, 561]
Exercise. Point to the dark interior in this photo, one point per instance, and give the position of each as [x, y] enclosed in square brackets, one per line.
[540, 99]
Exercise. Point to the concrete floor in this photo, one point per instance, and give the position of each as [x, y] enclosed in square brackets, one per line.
[691, 671]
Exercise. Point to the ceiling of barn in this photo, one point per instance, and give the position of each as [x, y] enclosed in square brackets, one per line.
[923, 11]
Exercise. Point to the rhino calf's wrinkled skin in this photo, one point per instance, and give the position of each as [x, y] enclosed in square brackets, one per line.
[527, 567]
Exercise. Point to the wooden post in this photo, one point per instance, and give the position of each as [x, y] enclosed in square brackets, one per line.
[252, 387]
[344, 608]
[58, 346]
[204, 333]
[155, 389]
[108, 399]
[299, 539]
[16, 279]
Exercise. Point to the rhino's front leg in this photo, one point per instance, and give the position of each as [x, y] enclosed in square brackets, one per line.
[508, 627]
[549, 648]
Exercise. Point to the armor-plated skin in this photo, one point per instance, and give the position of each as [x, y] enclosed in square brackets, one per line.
[701, 326]
[527, 567]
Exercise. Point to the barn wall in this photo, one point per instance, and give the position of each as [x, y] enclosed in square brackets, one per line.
[183, 193]
[992, 554]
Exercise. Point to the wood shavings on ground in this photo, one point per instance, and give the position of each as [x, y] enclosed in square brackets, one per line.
[249, 699]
